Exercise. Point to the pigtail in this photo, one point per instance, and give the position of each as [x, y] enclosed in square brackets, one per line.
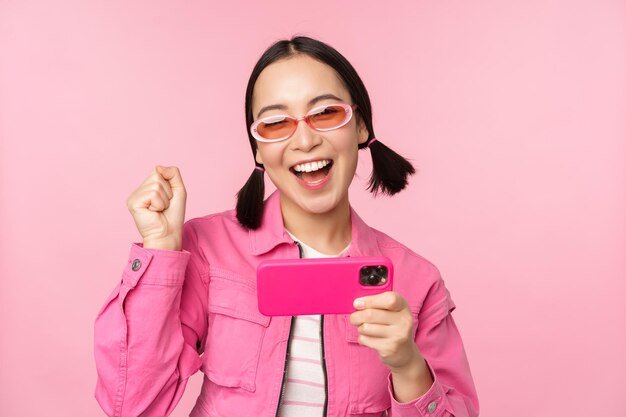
[389, 171]
[250, 199]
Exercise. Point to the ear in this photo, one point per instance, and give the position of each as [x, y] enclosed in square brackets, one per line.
[257, 156]
[362, 130]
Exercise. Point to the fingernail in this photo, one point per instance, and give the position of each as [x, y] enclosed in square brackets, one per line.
[358, 303]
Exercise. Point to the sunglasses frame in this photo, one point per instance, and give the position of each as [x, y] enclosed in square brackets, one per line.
[349, 108]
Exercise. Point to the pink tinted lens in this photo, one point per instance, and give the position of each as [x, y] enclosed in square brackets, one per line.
[332, 116]
[276, 129]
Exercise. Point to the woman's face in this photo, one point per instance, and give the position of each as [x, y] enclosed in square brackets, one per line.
[294, 83]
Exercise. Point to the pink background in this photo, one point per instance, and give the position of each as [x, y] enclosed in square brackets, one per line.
[513, 112]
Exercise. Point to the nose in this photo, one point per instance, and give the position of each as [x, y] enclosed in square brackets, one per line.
[304, 138]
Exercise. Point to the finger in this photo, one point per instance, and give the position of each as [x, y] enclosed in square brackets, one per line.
[164, 184]
[142, 197]
[376, 330]
[388, 300]
[157, 204]
[389, 350]
[377, 343]
[372, 315]
[155, 199]
[172, 175]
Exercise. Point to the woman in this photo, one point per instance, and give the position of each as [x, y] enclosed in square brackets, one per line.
[189, 288]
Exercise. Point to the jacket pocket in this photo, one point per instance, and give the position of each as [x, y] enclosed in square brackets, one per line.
[235, 333]
[368, 375]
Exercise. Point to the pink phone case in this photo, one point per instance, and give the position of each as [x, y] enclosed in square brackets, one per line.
[289, 287]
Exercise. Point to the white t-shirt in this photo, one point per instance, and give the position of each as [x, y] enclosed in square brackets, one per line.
[304, 391]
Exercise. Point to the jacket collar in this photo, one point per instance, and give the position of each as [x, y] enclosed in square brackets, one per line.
[272, 231]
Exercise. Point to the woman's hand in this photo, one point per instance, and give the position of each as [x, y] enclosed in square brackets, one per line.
[158, 208]
[385, 324]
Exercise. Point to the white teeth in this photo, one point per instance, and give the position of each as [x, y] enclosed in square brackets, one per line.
[311, 166]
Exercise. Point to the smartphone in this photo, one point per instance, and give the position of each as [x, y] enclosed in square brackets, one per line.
[291, 287]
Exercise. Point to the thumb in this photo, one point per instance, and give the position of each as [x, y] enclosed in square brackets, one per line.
[172, 175]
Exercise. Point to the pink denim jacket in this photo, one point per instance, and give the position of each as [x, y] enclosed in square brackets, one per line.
[175, 312]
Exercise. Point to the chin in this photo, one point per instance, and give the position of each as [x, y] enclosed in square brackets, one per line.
[319, 205]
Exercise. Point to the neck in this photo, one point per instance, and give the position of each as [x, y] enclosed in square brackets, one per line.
[328, 232]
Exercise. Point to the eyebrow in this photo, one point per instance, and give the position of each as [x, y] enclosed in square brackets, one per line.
[310, 103]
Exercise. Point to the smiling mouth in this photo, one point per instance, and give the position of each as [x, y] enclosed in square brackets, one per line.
[312, 172]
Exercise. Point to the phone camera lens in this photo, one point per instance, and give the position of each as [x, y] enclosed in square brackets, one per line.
[373, 279]
[373, 275]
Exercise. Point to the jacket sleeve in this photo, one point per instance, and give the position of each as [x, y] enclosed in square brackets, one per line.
[150, 332]
[453, 393]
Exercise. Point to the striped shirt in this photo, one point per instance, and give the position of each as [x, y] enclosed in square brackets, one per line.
[304, 391]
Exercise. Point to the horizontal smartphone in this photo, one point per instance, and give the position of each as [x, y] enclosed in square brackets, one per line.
[291, 287]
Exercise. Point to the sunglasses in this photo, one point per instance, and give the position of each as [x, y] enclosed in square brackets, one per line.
[281, 126]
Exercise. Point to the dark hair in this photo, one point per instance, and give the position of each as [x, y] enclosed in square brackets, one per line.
[390, 170]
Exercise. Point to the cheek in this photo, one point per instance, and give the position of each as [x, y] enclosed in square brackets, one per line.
[270, 154]
[349, 138]
[348, 149]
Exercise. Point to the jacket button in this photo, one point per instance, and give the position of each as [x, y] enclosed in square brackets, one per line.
[432, 407]
[136, 265]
